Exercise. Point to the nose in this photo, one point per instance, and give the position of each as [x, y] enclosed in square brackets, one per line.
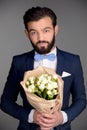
[40, 37]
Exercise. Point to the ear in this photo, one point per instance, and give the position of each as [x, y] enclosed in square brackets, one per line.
[56, 29]
[26, 33]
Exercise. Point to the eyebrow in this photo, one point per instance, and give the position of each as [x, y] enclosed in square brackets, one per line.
[41, 29]
[47, 28]
[31, 30]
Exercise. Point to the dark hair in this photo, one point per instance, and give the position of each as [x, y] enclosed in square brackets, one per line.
[36, 13]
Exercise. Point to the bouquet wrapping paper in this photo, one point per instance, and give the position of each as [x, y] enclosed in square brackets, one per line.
[41, 104]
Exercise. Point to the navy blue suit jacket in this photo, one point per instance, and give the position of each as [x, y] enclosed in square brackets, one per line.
[73, 84]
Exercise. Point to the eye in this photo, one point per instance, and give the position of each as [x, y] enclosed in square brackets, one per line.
[46, 30]
[33, 33]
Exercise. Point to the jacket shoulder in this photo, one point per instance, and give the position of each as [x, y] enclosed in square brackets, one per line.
[24, 55]
[20, 61]
[68, 56]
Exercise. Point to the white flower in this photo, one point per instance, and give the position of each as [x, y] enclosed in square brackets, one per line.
[41, 87]
[49, 78]
[54, 84]
[27, 83]
[31, 79]
[55, 92]
[50, 94]
[49, 86]
[44, 86]
[55, 77]
[31, 88]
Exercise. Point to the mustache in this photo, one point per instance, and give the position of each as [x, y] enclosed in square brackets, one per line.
[42, 42]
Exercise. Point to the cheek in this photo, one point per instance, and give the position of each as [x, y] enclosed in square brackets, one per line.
[50, 37]
[33, 39]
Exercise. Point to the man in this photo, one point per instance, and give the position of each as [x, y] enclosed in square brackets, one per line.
[41, 28]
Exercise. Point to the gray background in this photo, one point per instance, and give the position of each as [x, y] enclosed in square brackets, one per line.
[72, 37]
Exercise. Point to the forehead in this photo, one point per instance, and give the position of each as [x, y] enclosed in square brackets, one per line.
[40, 24]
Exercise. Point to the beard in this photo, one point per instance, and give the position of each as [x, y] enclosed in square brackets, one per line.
[44, 50]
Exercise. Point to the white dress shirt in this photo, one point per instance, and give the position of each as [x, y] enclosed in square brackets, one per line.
[49, 64]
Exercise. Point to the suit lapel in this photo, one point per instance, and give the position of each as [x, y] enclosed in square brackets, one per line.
[30, 60]
[60, 62]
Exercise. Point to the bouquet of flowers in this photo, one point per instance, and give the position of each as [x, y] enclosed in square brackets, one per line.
[44, 89]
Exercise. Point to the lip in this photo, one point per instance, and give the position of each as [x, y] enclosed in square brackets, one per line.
[42, 44]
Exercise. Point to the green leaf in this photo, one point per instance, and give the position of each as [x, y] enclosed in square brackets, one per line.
[44, 93]
[38, 93]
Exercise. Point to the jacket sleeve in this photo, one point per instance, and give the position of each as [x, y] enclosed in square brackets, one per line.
[10, 94]
[77, 91]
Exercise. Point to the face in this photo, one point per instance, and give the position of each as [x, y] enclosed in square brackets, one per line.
[42, 35]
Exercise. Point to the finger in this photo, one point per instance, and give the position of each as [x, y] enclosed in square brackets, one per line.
[46, 124]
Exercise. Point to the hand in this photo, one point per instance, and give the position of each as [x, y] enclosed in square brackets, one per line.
[48, 121]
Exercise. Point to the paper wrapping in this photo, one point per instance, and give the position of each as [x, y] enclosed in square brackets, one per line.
[40, 104]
